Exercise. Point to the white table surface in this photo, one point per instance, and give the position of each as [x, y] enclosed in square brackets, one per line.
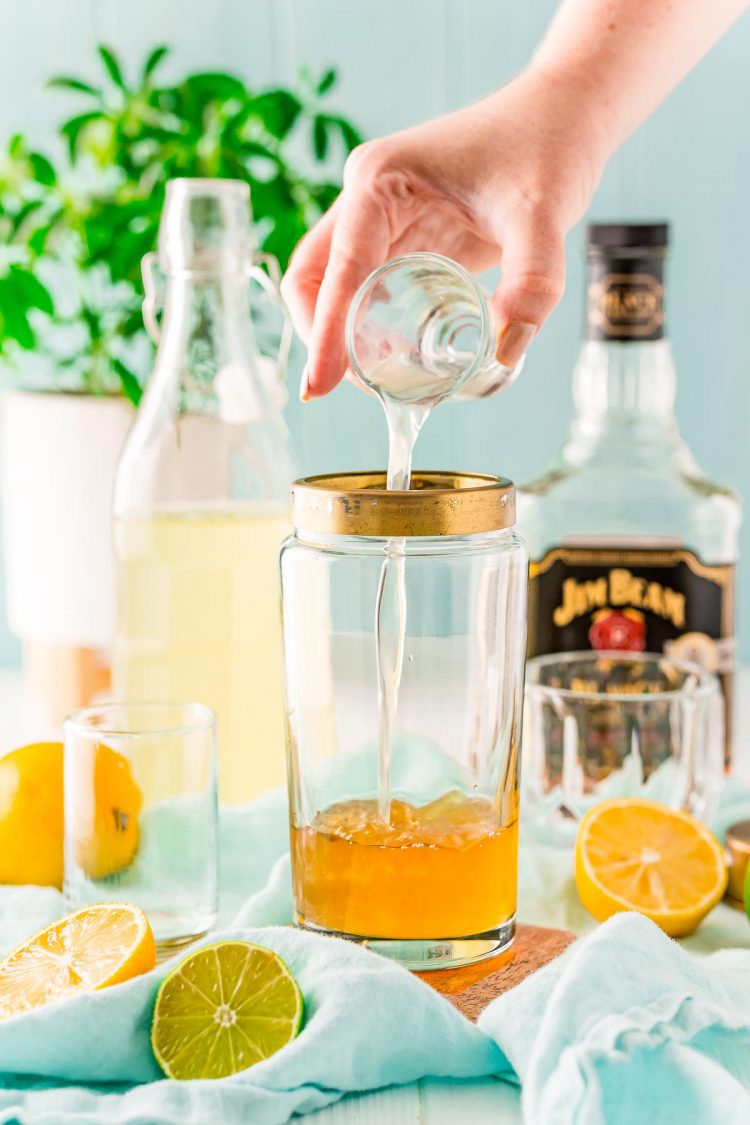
[432, 1101]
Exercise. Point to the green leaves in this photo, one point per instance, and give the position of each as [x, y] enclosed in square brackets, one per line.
[20, 292]
[32, 294]
[112, 67]
[350, 136]
[325, 195]
[44, 173]
[320, 137]
[328, 126]
[130, 384]
[327, 82]
[63, 82]
[215, 86]
[152, 62]
[16, 147]
[124, 144]
[73, 128]
[14, 317]
[27, 209]
[278, 110]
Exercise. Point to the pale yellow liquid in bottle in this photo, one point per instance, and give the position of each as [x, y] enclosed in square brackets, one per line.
[199, 620]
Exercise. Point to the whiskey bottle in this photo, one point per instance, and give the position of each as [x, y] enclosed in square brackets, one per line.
[631, 547]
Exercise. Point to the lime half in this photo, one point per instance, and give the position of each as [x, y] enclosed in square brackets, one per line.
[224, 1008]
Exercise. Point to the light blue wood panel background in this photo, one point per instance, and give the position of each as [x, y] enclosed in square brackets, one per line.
[401, 61]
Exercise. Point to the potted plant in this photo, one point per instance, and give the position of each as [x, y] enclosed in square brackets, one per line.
[72, 343]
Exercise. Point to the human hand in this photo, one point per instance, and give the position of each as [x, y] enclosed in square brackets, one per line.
[501, 181]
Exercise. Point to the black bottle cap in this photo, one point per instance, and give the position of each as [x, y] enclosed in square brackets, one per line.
[625, 293]
[622, 236]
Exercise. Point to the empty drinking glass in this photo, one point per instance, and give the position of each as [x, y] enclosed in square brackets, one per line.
[618, 724]
[141, 813]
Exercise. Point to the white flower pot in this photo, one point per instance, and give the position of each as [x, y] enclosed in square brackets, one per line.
[58, 454]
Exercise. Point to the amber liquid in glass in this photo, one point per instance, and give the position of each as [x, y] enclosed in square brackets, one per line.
[445, 869]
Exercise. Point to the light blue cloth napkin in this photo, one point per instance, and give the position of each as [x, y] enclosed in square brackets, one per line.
[367, 1024]
[625, 1020]
[628, 1028]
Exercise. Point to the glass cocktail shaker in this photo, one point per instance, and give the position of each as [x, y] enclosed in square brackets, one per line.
[414, 855]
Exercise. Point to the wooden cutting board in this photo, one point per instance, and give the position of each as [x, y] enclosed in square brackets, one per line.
[472, 988]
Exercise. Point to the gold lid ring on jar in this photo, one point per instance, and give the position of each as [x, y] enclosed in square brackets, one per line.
[438, 503]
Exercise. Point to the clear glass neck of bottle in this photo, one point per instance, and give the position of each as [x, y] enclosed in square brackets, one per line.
[624, 389]
[207, 347]
[624, 386]
[206, 340]
[209, 430]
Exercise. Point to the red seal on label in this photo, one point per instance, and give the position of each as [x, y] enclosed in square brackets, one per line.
[618, 630]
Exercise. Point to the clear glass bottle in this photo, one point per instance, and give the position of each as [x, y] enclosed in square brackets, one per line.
[631, 547]
[201, 495]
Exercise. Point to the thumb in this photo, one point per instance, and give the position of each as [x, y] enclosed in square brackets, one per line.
[533, 280]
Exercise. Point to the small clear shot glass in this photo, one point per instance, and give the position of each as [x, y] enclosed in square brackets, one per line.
[599, 725]
[420, 328]
[141, 814]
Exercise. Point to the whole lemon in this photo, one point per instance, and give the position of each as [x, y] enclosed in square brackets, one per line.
[31, 815]
[106, 833]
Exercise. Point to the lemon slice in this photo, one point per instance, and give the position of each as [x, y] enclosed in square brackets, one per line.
[224, 1008]
[90, 949]
[639, 855]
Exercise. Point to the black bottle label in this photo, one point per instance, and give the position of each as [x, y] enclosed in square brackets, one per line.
[625, 297]
[634, 600]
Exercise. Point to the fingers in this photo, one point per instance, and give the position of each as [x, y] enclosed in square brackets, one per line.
[532, 283]
[329, 264]
[359, 243]
[358, 234]
[301, 282]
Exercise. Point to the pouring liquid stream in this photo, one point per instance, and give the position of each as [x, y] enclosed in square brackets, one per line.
[405, 419]
[418, 331]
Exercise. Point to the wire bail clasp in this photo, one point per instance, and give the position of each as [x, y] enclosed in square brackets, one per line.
[268, 279]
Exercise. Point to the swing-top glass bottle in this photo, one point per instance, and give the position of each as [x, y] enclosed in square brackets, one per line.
[202, 489]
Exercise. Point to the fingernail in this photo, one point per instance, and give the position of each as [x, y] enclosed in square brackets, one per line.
[513, 342]
[304, 386]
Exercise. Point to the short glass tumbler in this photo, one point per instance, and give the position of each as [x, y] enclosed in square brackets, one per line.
[141, 814]
[421, 328]
[599, 725]
[404, 761]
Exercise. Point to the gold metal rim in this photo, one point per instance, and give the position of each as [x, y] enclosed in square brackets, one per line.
[438, 503]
